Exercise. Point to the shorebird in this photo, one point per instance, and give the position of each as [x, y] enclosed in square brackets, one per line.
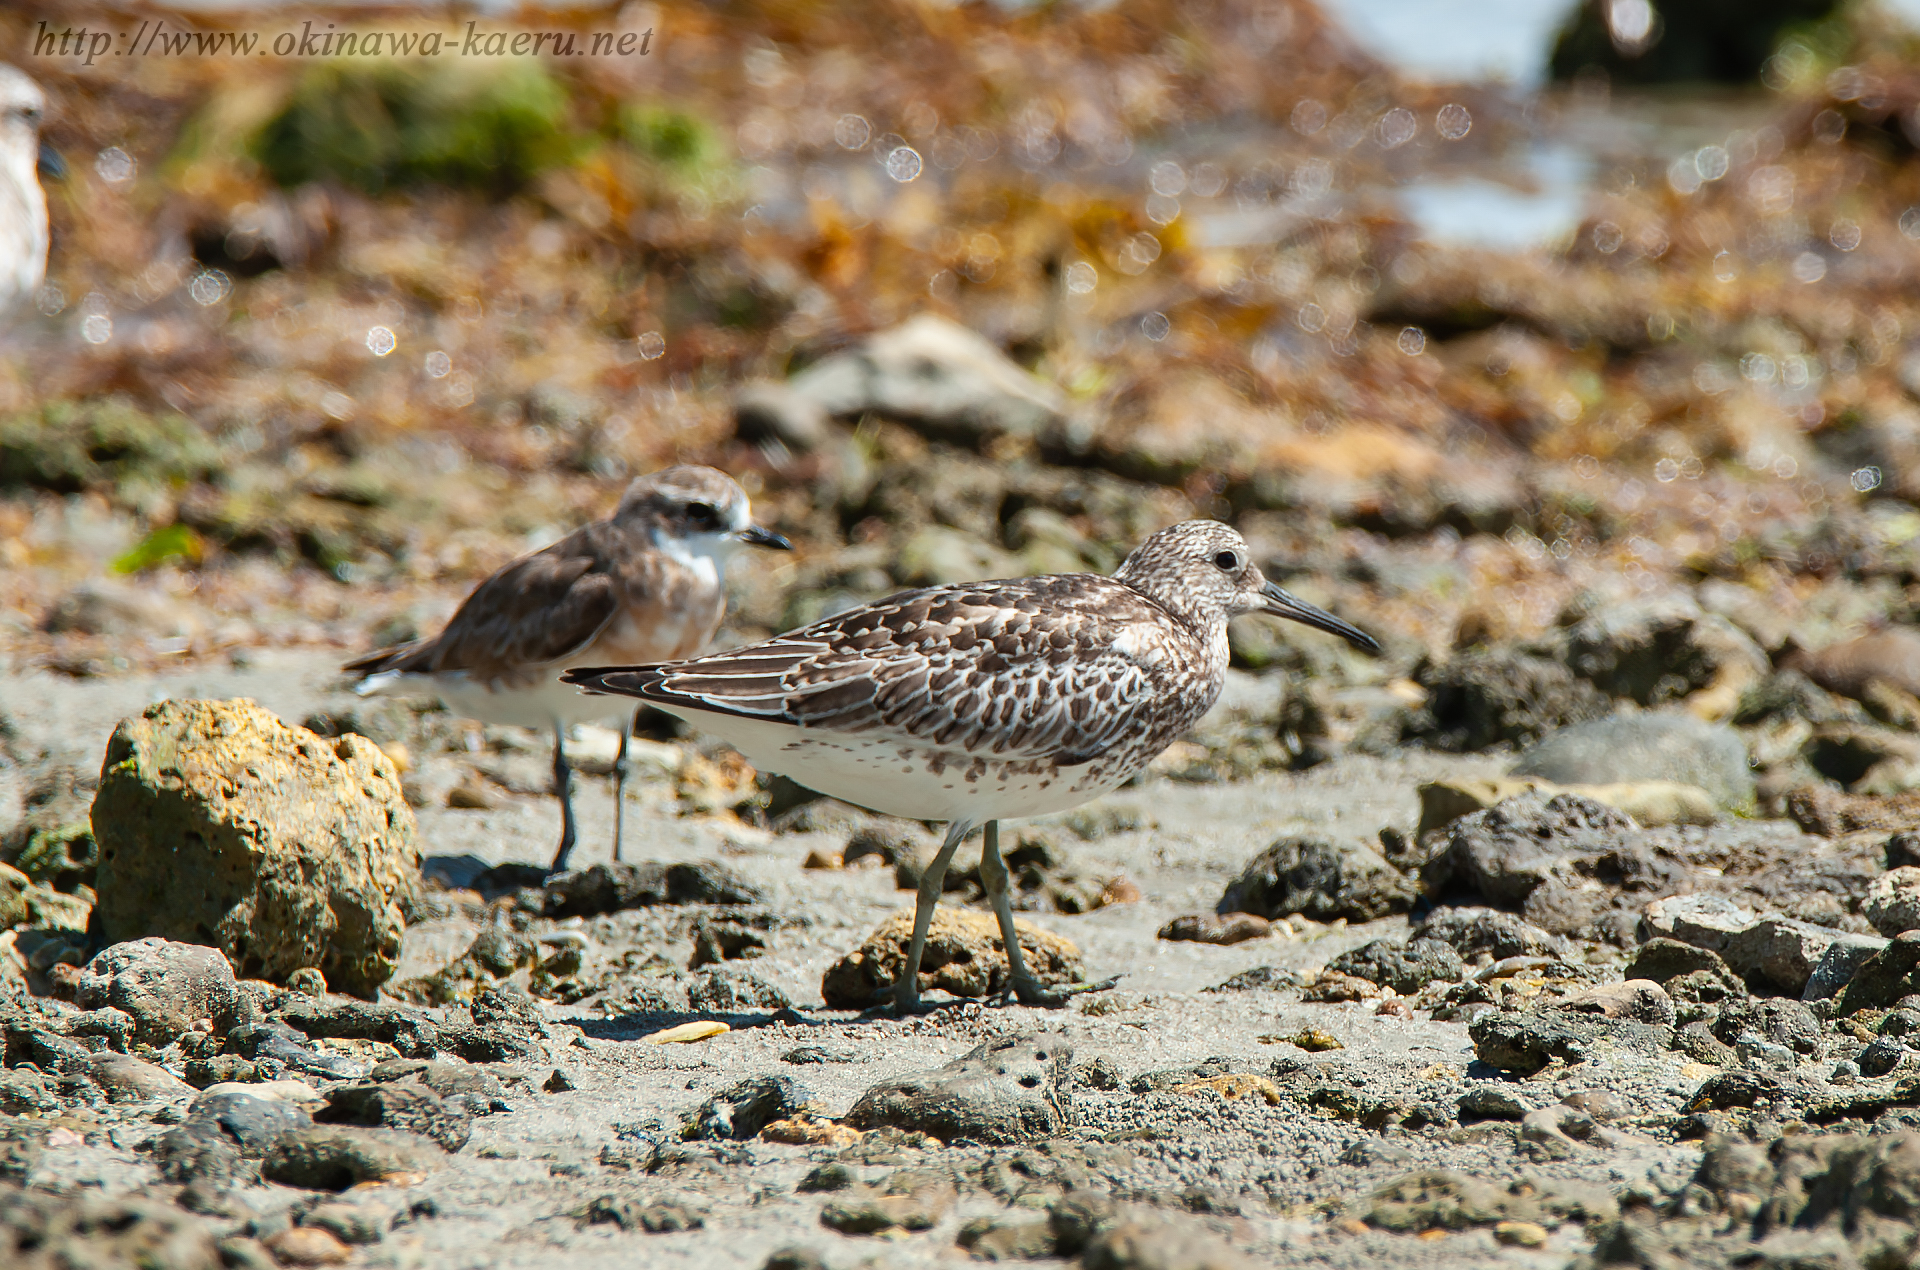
[646, 584]
[985, 700]
[23, 205]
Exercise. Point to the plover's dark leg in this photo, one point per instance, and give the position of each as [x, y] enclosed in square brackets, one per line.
[620, 769]
[906, 991]
[563, 790]
[1020, 984]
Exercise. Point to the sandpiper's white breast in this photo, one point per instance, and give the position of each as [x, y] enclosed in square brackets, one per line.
[901, 778]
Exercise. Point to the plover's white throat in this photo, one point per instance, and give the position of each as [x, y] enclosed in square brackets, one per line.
[23, 205]
[645, 584]
[974, 702]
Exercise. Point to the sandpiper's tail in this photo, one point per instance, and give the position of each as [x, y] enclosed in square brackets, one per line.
[388, 667]
[643, 682]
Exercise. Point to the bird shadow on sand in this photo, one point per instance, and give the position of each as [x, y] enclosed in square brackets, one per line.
[468, 872]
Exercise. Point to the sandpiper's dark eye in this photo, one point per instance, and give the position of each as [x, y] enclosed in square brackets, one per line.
[703, 515]
[1227, 560]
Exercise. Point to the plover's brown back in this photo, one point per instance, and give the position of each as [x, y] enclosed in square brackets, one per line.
[645, 584]
[604, 590]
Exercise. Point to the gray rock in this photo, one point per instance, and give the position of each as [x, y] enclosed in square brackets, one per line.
[1661, 649]
[735, 992]
[1663, 959]
[1868, 760]
[1775, 1020]
[1269, 978]
[1472, 931]
[1784, 952]
[1554, 1132]
[1492, 1102]
[936, 376]
[718, 941]
[1320, 878]
[124, 1078]
[794, 1257]
[1882, 1055]
[1404, 967]
[166, 987]
[1009, 1089]
[1664, 746]
[404, 1105]
[1480, 699]
[1851, 667]
[352, 1224]
[198, 1153]
[609, 888]
[413, 1032]
[801, 1055]
[115, 1027]
[1705, 921]
[1078, 1216]
[936, 555]
[1640, 999]
[252, 1124]
[511, 1010]
[53, 1230]
[1735, 1089]
[741, 1111]
[51, 1052]
[276, 1043]
[1836, 968]
[1161, 1243]
[655, 1217]
[1885, 977]
[1509, 850]
[335, 1157]
[1525, 1043]
[1168, 1077]
[1003, 1237]
[23, 1091]
[459, 1081]
[908, 1199]
[1892, 901]
[771, 410]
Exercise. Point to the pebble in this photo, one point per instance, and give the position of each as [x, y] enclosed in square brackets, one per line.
[308, 1246]
[684, 1033]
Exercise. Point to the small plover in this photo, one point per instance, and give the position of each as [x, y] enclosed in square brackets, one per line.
[645, 584]
[23, 204]
[984, 700]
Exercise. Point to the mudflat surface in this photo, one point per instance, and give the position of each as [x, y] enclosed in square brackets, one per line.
[1273, 1181]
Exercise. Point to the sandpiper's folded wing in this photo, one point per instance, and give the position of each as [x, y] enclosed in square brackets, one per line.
[1057, 668]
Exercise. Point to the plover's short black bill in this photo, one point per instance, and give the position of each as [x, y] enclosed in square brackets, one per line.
[645, 584]
[979, 701]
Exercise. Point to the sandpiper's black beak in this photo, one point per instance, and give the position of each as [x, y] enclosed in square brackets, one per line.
[764, 538]
[52, 166]
[1292, 607]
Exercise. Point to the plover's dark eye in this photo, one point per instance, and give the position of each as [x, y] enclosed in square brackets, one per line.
[1227, 560]
[703, 515]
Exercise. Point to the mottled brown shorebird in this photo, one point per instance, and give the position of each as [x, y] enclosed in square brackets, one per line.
[985, 700]
[645, 584]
